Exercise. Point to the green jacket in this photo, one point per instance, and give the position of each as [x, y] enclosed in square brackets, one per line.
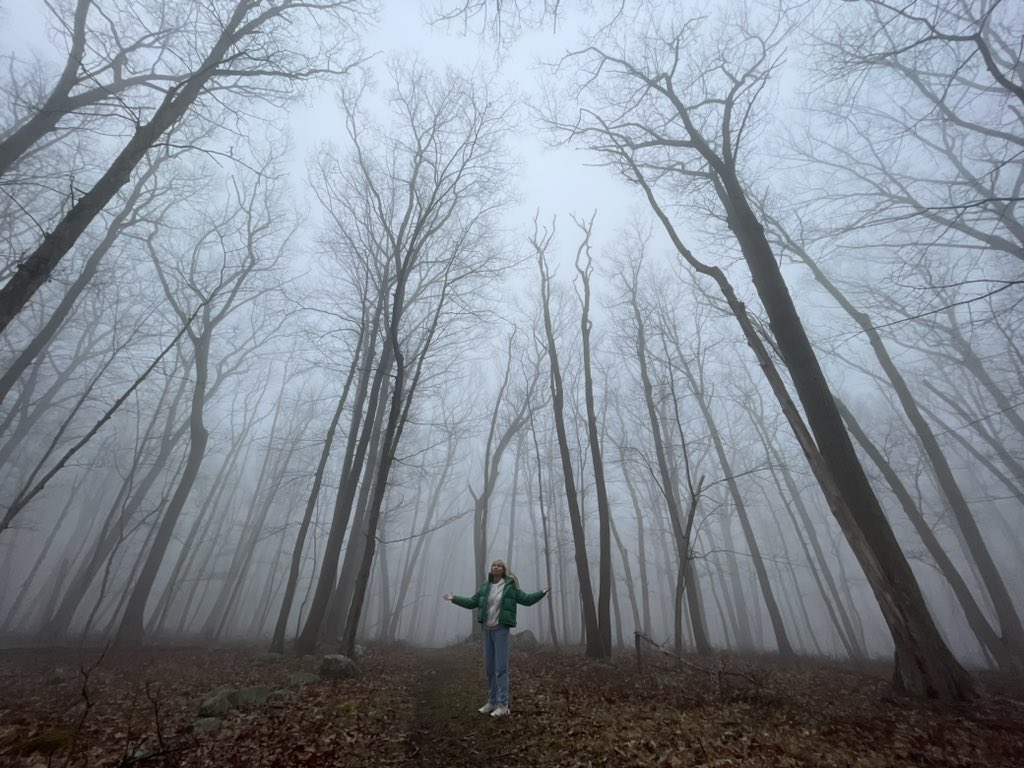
[512, 596]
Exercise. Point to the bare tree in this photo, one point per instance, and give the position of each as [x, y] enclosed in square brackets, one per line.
[540, 241]
[680, 107]
[423, 192]
[242, 48]
[605, 584]
[520, 402]
[218, 277]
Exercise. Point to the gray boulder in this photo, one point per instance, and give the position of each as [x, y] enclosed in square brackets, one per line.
[526, 641]
[338, 667]
[219, 703]
[302, 678]
[255, 696]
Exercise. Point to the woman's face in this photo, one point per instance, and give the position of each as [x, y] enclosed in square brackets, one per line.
[498, 569]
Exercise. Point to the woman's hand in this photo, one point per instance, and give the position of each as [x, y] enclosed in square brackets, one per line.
[448, 596]
[546, 590]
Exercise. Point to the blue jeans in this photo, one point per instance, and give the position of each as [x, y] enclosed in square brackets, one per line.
[496, 664]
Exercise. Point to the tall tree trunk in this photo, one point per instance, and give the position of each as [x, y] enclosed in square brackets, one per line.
[359, 433]
[605, 582]
[433, 505]
[546, 540]
[295, 566]
[924, 664]
[1009, 620]
[1004, 654]
[594, 645]
[681, 524]
[774, 615]
[131, 630]
[630, 587]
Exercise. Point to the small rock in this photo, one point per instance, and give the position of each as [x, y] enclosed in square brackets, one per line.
[303, 678]
[207, 724]
[142, 751]
[338, 667]
[219, 702]
[59, 675]
[255, 696]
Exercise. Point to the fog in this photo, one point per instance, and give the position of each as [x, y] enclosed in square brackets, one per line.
[705, 317]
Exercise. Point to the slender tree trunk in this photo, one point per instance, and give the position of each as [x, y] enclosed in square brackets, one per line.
[738, 602]
[131, 630]
[630, 588]
[833, 602]
[696, 607]
[546, 538]
[595, 647]
[295, 567]
[433, 505]
[200, 529]
[355, 451]
[605, 580]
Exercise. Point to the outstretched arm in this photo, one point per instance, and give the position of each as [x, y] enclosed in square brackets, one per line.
[529, 598]
[462, 602]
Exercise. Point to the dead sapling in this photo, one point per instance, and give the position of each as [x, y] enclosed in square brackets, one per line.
[84, 673]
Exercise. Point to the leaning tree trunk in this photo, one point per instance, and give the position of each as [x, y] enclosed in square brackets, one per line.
[294, 568]
[1012, 640]
[35, 269]
[924, 664]
[987, 637]
[681, 525]
[131, 630]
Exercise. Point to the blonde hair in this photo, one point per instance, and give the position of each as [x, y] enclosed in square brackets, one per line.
[508, 573]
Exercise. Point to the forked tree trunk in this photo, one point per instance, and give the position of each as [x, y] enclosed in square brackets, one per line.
[604, 578]
[592, 631]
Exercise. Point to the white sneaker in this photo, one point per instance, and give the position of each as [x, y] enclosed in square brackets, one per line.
[499, 712]
[487, 708]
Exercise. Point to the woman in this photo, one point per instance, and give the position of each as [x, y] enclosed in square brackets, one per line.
[496, 601]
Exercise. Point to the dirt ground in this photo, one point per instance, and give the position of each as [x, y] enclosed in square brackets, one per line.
[410, 707]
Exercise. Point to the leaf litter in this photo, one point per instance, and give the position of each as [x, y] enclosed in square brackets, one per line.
[418, 707]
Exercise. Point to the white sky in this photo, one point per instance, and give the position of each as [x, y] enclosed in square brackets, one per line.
[555, 181]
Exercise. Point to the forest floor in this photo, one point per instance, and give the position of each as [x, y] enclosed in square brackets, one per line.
[413, 707]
